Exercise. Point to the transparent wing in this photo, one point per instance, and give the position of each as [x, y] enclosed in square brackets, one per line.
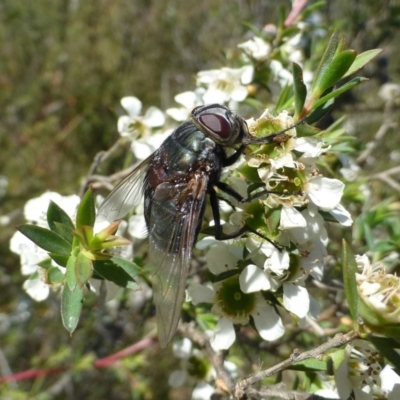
[175, 216]
[125, 195]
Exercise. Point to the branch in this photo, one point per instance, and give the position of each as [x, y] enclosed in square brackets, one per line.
[339, 340]
[279, 391]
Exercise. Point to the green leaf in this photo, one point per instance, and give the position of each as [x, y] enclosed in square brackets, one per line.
[60, 260]
[83, 269]
[304, 130]
[65, 231]
[114, 273]
[333, 72]
[326, 58]
[46, 239]
[386, 347]
[86, 213]
[56, 214]
[70, 273]
[71, 307]
[337, 92]
[285, 98]
[55, 275]
[311, 364]
[319, 112]
[131, 268]
[361, 60]
[299, 89]
[349, 277]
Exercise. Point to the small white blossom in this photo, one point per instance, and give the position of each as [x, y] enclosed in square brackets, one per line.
[133, 124]
[256, 48]
[225, 84]
[188, 101]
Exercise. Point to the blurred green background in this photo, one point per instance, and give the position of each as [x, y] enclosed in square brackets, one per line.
[64, 65]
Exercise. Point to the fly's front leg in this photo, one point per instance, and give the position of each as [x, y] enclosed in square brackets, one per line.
[233, 193]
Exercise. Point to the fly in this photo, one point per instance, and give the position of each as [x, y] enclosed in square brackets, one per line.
[174, 181]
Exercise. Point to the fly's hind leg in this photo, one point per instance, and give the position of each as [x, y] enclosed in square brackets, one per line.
[219, 233]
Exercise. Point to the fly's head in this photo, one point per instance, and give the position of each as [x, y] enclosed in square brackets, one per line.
[220, 124]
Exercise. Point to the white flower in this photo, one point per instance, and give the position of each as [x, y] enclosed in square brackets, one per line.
[145, 146]
[231, 303]
[379, 290]
[35, 210]
[256, 48]
[188, 101]
[281, 74]
[133, 124]
[361, 372]
[225, 84]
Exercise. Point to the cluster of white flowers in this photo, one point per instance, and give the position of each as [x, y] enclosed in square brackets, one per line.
[265, 266]
[362, 373]
[255, 280]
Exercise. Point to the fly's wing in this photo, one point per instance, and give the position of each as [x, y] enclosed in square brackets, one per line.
[125, 195]
[175, 216]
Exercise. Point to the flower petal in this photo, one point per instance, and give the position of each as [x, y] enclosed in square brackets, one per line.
[132, 105]
[197, 293]
[325, 193]
[296, 299]
[202, 391]
[268, 322]
[291, 218]
[253, 279]
[224, 335]
[177, 378]
[37, 289]
[342, 215]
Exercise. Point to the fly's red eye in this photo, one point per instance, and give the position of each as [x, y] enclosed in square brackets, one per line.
[216, 123]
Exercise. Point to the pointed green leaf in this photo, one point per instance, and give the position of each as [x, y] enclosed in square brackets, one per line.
[64, 231]
[319, 112]
[311, 364]
[70, 274]
[71, 307]
[60, 260]
[114, 273]
[86, 213]
[46, 239]
[387, 347]
[285, 99]
[337, 92]
[333, 72]
[304, 130]
[56, 214]
[299, 89]
[349, 277]
[361, 60]
[326, 58]
[131, 268]
[83, 269]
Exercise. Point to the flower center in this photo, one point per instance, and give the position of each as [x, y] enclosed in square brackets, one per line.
[232, 301]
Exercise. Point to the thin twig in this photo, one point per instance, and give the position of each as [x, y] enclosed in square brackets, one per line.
[339, 340]
[98, 159]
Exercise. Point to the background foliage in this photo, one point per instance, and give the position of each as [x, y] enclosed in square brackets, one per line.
[64, 66]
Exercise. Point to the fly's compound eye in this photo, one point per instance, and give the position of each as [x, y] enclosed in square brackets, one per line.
[217, 124]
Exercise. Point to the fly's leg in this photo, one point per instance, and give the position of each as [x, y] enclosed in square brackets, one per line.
[219, 233]
[233, 193]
